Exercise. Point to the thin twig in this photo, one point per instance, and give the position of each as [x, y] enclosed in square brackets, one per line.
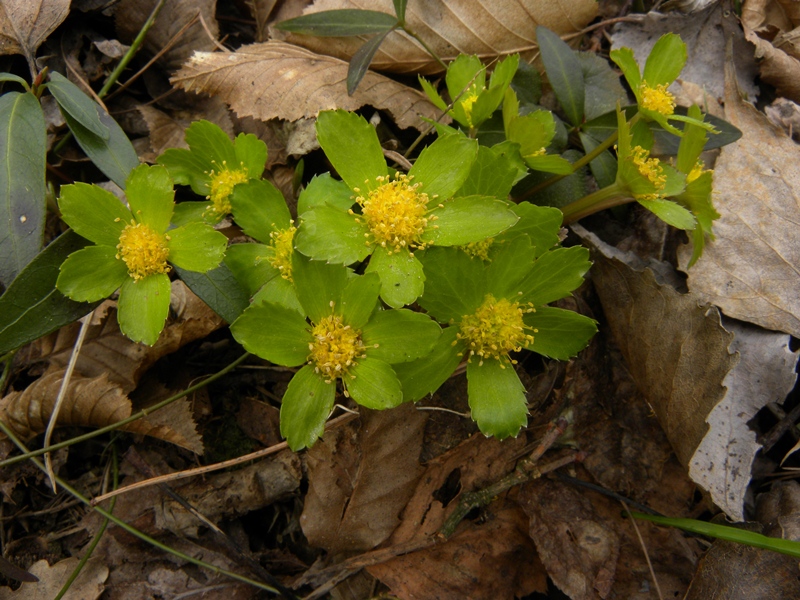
[644, 549]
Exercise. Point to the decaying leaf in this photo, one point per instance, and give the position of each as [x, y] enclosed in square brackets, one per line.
[450, 27]
[358, 486]
[174, 16]
[93, 402]
[88, 585]
[168, 131]
[279, 80]
[750, 270]
[25, 24]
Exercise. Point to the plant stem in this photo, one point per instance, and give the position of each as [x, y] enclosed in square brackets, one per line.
[428, 49]
[610, 196]
[131, 419]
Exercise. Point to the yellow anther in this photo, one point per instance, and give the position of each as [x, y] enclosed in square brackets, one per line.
[221, 187]
[143, 250]
[657, 99]
[496, 329]
[282, 243]
[335, 348]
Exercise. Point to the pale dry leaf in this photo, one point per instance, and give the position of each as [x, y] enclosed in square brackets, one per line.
[777, 67]
[168, 130]
[751, 270]
[174, 423]
[765, 373]
[261, 10]
[87, 586]
[279, 80]
[706, 35]
[676, 351]
[25, 24]
[131, 15]
[358, 485]
[488, 29]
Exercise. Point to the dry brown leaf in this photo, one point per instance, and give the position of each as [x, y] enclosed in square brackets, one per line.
[25, 24]
[751, 270]
[168, 130]
[279, 80]
[777, 67]
[131, 15]
[261, 10]
[358, 485]
[450, 27]
[493, 560]
[88, 585]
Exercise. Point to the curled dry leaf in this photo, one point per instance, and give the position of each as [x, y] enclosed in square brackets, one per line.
[176, 14]
[449, 27]
[751, 270]
[168, 130]
[87, 586]
[358, 485]
[279, 80]
[25, 24]
[92, 402]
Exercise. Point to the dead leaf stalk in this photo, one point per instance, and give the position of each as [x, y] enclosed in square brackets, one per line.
[644, 550]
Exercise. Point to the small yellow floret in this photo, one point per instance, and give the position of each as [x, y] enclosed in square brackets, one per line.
[496, 329]
[143, 250]
[282, 243]
[395, 213]
[649, 167]
[467, 102]
[478, 249]
[697, 170]
[335, 348]
[657, 99]
[222, 184]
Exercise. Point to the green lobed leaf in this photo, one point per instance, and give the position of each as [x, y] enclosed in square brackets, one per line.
[114, 156]
[692, 142]
[463, 73]
[496, 398]
[23, 152]
[554, 275]
[665, 61]
[324, 189]
[340, 23]
[352, 146]
[305, 407]
[374, 384]
[280, 291]
[564, 73]
[670, 212]
[532, 132]
[91, 274]
[187, 168]
[492, 174]
[259, 209]
[401, 274]
[251, 153]
[150, 195]
[143, 307]
[32, 306]
[443, 166]
[432, 94]
[273, 332]
[94, 213]
[455, 284]
[72, 100]
[361, 59]
[327, 233]
[400, 335]
[421, 377]
[319, 286]
[541, 224]
[485, 105]
[510, 263]
[469, 219]
[359, 299]
[209, 142]
[250, 264]
[195, 212]
[196, 247]
[219, 289]
[549, 163]
[503, 73]
[560, 334]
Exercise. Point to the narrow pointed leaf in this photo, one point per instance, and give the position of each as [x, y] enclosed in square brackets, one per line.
[275, 333]
[402, 277]
[496, 398]
[143, 307]
[560, 334]
[401, 335]
[400, 9]
[306, 405]
[374, 385]
[564, 73]
[359, 63]
[77, 104]
[340, 23]
[671, 213]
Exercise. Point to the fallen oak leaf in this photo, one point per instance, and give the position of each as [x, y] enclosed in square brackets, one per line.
[279, 80]
[25, 24]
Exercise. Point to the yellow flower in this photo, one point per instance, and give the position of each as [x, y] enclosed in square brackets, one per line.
[221, 187]
[657, 99]
[143, 250]
[495, 329]
[648, 167]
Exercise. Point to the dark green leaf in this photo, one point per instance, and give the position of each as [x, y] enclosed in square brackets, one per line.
[319, 286]
[22, 182]
[602, 87]
[560, 334]
[423, 376]
[15, 78]
[400, 335]
[564, 73]
[359, 299]
[78, 105]
[219, 289]
[275, 333]
[455, 283]
[32, 306]
[400, 9]
[306, 405]
[359, 63]
[554, 275]
[143, 307]
[340, 23]
[496, 398]
[375, 385]
[527, 83]
[115, 157]
[604, 167]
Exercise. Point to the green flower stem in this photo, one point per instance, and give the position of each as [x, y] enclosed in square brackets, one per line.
[610, 196]
[132, 530]
[422, 43]
[97, 536]
[131, 419]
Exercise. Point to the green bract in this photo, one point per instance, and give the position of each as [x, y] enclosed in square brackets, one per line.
[473, 102]
[345, 336]
[213, 166]
[133, 249]
[396, 214]
[496, 307]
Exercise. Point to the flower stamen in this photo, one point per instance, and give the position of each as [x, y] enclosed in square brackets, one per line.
[657, 99]
[650, 168]
[335, 349]
[143, 250]
[496, 329]
[282, 242]
[221, 187]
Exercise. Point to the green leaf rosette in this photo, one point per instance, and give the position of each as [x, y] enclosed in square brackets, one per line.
[395, 215]
[341, 335]
[213, 166]
[133, 249]
[495, 308]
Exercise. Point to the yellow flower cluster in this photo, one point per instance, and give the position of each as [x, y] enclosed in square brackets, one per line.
[335, 348]
[143, 250]
[657, 99]
[496, 329]
[282, 242]
[221, 187]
